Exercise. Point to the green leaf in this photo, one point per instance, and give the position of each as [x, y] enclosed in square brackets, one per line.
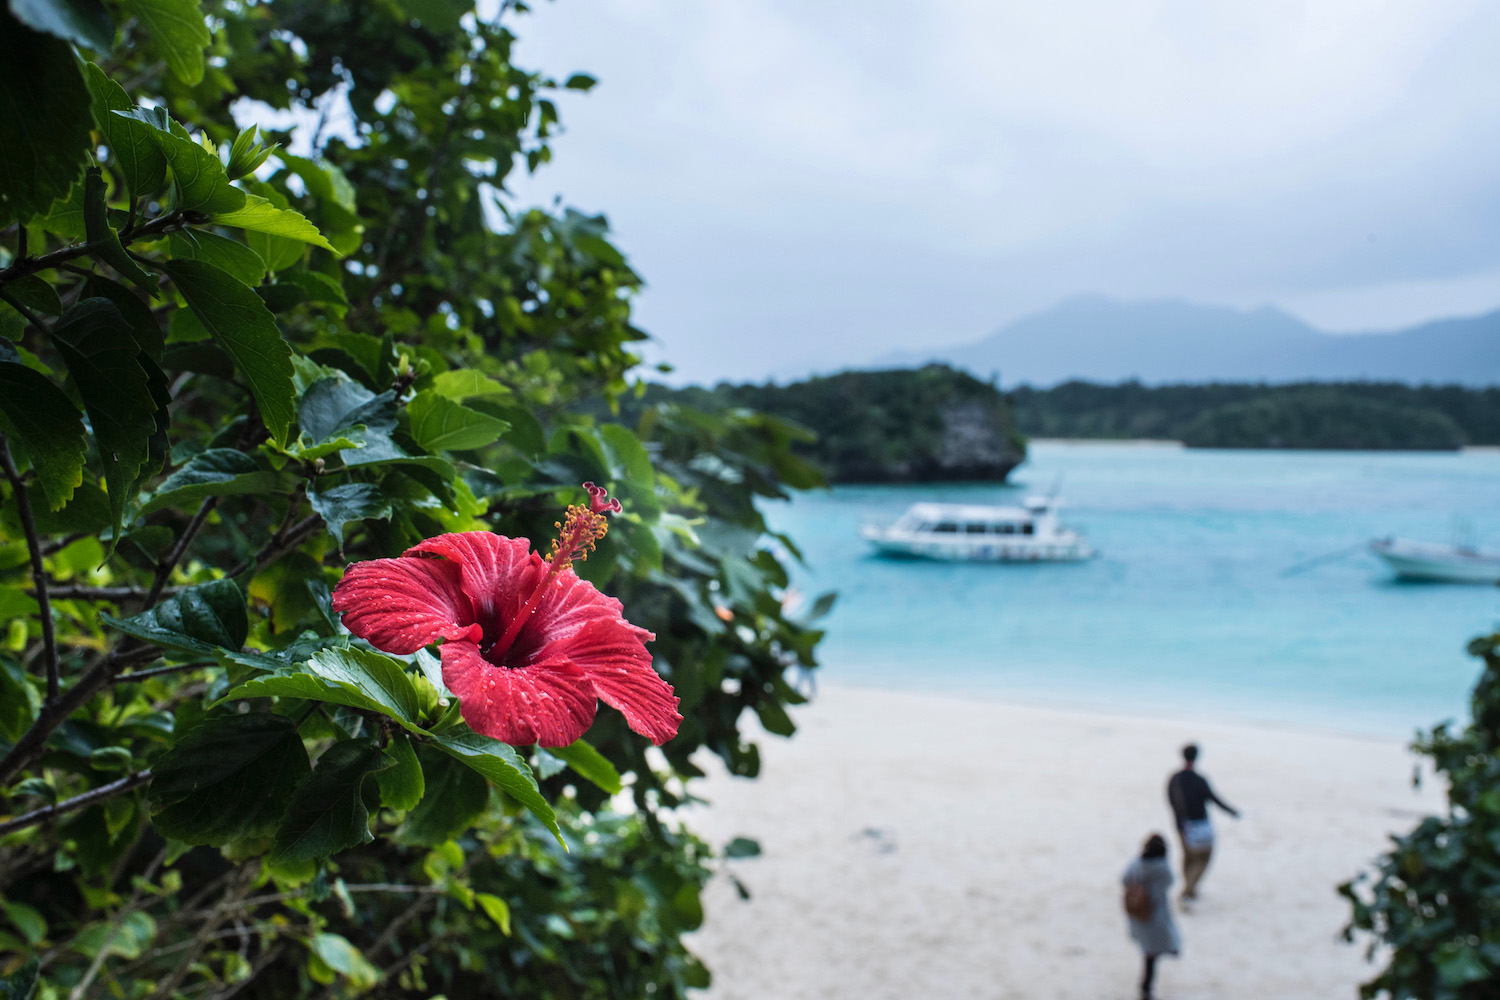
[496, 909]
[178, 34]
[143, 324]
[44, 121]
[127, 940]
[314, 285]
[247, 152]
[454, 796]
[206, 619]
[501, 764]
[140, 158]
[104, 242]
[440, 424]
[1458, 965]
[202, 183]
[85, 22]
[31, 924]
[95, 342]
[259, 215]
[627, 456]
[400, 777]
[357, 678]
[347, 504]
[338, 954]
[230, 777]
[21, 984]
[327, 813]
[589, 763]
[332, 405]
[742, 847]
[465, 383]
[230, 255]
[244, 327]
[35, 294]
[46, 425]
[216, 472]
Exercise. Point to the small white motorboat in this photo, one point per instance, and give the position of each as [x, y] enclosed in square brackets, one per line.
[972, 533]
[1432, 561]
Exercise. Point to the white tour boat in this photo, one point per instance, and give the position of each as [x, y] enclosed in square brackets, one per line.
[1442, 563]
[965, 532]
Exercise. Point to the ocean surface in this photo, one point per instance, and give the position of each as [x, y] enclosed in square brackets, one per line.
[1229, 583]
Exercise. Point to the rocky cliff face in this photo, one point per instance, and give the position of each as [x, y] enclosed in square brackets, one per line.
[978, 443]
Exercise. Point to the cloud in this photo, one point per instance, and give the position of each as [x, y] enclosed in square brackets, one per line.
[815, 184]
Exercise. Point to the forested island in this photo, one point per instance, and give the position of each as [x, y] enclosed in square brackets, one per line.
[918, 425]
[938, 423]
[1311, 415]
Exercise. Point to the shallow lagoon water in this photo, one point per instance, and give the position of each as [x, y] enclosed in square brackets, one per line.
[1209, 594]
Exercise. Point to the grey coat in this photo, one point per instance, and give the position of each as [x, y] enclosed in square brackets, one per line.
[1157, 936]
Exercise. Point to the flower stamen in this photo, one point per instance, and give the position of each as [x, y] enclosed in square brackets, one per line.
[578, 533]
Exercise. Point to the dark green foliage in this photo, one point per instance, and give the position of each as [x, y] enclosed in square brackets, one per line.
[1250, 415]
[1431, 908]
[932, 423]
[229, 371]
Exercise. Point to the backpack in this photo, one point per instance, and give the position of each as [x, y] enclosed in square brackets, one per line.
[1138, 901]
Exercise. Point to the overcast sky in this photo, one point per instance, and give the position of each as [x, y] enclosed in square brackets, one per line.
[809, 184]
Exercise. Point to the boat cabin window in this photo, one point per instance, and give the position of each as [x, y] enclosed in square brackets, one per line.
[1026, 528]
[946, 528]
[976, 529]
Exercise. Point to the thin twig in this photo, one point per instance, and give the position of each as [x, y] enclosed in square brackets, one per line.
[38, 569]
[169, 563]
[64, 591]
[208, 931]
[31, 317]
[109, 791]
[264, 961]
[30, 265]
[136, 676]
[114, 928]
[58, 544]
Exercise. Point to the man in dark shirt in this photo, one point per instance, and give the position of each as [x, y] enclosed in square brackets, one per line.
[1189, 794]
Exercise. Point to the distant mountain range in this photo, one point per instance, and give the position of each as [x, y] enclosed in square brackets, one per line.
[1103, 340]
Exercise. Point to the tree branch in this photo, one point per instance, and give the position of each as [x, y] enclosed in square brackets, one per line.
[88, 798]
[165, 567]
[38, 570]
[30, 265]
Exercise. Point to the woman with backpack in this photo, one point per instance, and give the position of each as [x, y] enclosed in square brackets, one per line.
[1147, 882]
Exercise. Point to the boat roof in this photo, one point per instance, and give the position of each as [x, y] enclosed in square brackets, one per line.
[970, 512]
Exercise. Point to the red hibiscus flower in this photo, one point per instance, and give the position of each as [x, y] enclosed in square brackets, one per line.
[528, 647]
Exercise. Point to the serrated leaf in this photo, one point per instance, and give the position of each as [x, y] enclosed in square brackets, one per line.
[589, 763]
[500, 763]
[216, 472]
[178, 34]
[202, 183]
[357, 678]
[347, 504]
[466, 383]
[44, 121]
[400, 777]
[207, 619]
[244, 327]
[104, 242]
[47, 426]
[230, 255]
[143, 324]
[332, 405]
[440, 424]
[95, 343]
[139, 157]
[327, 813]
[259, 215]
[230, 777]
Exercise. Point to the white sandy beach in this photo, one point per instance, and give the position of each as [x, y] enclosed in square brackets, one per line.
[919, 846]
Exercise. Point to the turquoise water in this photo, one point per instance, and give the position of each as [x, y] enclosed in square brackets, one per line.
[1202, 599]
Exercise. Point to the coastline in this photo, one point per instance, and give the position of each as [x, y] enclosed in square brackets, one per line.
[924, 845]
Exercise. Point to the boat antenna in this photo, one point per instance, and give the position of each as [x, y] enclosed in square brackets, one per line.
[1056, 487]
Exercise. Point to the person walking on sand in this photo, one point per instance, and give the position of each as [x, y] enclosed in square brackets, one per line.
[1148, 909]
[1189, 794]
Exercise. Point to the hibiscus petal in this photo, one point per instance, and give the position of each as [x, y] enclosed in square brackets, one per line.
[498, 573]
[613, 655]
[401, 605]
[550, 703]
